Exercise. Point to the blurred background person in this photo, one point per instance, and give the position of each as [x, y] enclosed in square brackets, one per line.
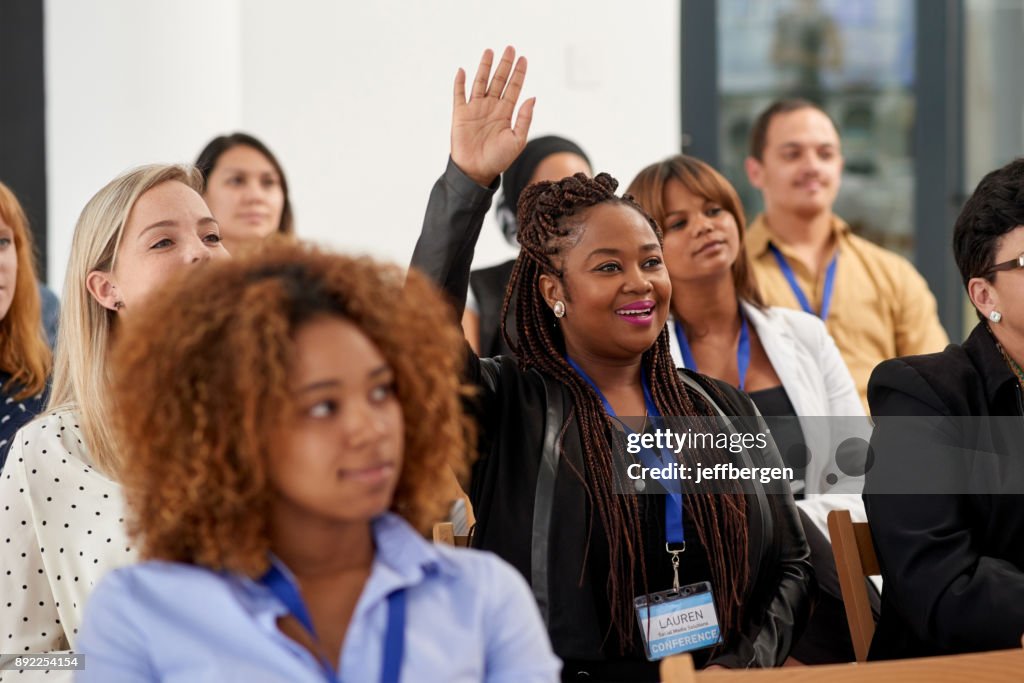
[874, 303]
[246, 189]
[25, 358]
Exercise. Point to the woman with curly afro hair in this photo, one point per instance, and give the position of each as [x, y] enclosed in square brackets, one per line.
[288, 434]
[551, 489]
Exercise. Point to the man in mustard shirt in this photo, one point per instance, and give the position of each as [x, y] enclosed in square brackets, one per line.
[874, 302]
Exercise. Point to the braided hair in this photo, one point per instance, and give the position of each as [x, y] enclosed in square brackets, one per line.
[549, 224]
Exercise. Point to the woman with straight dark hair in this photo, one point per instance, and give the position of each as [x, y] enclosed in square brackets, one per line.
[246, 189]
[784, 359]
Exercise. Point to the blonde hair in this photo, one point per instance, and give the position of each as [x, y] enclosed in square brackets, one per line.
[24, 352]
[80, 374]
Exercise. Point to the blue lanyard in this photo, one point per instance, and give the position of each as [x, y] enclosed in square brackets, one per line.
[674, 534]
[830, 281]
[742, 350]
[394, 636]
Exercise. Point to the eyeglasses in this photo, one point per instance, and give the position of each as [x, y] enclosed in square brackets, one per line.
[1013, 264]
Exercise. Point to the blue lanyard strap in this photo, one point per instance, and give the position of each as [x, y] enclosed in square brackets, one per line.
[394, 637]
[742, 350]
[830, 281]
[674, 534]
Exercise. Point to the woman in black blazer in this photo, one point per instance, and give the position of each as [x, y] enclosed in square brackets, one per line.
[948, 426]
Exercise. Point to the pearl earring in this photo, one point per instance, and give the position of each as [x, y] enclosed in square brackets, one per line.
[995, 316]
[558, 309]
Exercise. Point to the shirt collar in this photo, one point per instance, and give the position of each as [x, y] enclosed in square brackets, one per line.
[996, 375]
[403, 558]
[759, 235]
[404, 550]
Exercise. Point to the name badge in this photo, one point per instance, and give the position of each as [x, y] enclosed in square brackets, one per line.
[678, 620]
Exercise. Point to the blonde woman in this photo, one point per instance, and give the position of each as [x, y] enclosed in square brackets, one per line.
[61, 519]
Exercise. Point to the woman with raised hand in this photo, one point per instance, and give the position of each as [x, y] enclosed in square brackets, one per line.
[246, 189]
[784, 359]
[593, 298]
[301, 497]
[24, 354]
[62, 517]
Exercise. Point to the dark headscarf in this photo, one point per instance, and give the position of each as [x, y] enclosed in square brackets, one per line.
[517, 177]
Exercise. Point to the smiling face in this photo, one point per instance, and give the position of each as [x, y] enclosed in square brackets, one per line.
[246, 196]
[614, 285]
[169, 229]
[801, 165]
[8, 268]
[702, 239]
[338, 457]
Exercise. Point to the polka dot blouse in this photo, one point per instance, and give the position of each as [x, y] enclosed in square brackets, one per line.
[61, 530]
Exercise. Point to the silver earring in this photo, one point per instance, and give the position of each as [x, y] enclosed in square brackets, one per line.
[995, 316]
[558, 309]
[118, 305]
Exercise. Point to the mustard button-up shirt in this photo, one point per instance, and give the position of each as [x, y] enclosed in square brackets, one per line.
[881, 307]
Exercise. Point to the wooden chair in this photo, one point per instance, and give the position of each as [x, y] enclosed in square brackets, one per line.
[1002, 666]
[854, 553]
[444, 532]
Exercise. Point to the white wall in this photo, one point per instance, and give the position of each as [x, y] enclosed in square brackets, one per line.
[355, 98]
[130, 82]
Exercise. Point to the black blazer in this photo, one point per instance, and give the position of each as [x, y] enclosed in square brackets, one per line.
[544, 533]
[952, 560]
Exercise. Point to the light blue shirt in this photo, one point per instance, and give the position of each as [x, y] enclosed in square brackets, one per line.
[470, 617]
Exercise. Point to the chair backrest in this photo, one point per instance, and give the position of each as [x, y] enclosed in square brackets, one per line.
[1003, 666]
[854, 552]
[444, 532]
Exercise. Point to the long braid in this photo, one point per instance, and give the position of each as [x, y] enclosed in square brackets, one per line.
[721, 519]
[545, 232]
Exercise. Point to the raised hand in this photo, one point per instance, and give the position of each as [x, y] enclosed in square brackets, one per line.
[484, 140]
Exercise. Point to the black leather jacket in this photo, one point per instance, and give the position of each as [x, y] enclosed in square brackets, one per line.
[533, 510]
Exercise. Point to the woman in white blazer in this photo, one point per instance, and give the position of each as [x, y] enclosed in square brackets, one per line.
[784, 359]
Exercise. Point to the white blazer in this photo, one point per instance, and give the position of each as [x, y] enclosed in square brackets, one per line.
[819, 385]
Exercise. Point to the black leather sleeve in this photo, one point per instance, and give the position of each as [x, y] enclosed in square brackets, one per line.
[444, 253]
[780, 602]
[455, 214]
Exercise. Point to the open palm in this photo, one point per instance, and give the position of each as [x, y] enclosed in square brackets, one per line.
[484, 140]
